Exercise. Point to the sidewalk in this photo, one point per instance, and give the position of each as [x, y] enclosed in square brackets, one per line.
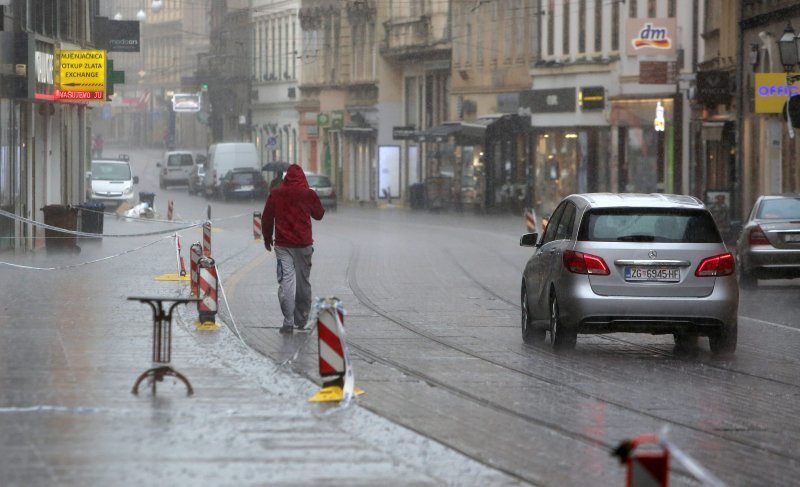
[72, 345]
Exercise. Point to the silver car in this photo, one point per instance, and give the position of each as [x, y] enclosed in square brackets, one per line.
[636, 263]
[769, 245]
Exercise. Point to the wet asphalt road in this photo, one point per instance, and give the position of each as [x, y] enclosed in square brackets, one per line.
[432, 322]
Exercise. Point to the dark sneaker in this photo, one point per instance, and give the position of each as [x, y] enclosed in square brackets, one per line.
[286, 330]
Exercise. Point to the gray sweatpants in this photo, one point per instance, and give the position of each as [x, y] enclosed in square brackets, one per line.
[294, 291]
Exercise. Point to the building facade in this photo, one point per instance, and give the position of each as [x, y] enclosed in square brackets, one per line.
[44, 141]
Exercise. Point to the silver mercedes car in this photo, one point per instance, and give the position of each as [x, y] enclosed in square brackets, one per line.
[634, 263]
[769, 245]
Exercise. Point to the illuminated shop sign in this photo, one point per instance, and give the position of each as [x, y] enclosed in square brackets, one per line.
[651, 37]
[772, 91]
[80, 75]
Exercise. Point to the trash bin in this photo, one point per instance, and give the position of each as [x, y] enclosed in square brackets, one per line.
[146, 197]
[61, 216]
[417, 196]
[92, 218]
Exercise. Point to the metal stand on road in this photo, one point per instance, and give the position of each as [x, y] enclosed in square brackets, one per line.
[162, 341]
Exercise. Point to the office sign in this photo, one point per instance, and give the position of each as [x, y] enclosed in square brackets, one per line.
[772, 92]
[80, 75]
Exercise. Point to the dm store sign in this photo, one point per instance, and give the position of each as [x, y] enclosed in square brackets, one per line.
[651, 37]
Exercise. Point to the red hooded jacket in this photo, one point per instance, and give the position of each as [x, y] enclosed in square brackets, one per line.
[289, 210]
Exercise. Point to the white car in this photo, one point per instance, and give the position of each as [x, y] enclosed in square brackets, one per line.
[111, 181]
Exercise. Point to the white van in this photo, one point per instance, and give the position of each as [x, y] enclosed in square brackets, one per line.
[176, 168]
[224, 157]
[111, 181]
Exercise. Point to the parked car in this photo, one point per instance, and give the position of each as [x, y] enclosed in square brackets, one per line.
[321, 184]
[175, 168]
[224, 157]
[633, 263]
[196, 179]
[111, 181]
[769, 244]
[242, 183]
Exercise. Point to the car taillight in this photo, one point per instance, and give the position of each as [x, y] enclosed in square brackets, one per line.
[580, 263]
[757, 236]
[719, 265]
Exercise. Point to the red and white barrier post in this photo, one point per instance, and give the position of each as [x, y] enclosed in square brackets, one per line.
[530, 220]
[169, 210]
[256, 225]
[195, 252]
[207, 239]
[648, 467]
[334, 359]
[180, 256]
[207, 290]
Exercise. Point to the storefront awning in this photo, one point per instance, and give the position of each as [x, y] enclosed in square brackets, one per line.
[440, 133]
[476, 129]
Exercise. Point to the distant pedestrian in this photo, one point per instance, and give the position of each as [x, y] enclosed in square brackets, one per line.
[288, 211]
[98, 146]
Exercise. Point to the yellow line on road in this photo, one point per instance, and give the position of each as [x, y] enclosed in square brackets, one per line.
[233, 280]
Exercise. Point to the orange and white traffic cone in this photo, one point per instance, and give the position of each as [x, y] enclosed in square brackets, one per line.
[257, 225]
[646, 468]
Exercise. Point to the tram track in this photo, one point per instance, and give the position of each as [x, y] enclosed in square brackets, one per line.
[462, 392]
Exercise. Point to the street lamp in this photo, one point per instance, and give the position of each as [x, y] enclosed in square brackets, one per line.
[156, 6]
[140, 15]
[788, 48]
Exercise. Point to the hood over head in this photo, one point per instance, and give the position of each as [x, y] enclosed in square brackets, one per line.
[295, 177]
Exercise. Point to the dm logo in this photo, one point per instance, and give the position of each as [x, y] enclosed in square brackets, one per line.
[652, 37]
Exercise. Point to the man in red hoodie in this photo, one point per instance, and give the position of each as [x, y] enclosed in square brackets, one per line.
[288, 211]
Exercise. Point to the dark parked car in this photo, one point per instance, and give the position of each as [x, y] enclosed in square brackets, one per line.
[769, 245]
[243, 183]
[321, 184]
[634, 263]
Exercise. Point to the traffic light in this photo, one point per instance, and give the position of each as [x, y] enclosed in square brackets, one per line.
[204, 87]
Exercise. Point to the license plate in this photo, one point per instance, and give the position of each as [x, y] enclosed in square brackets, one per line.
[659, 274]
[791, 237]
[245, 188]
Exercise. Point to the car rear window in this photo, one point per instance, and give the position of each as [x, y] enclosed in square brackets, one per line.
[316, 181]
[243, 177]
[648, 225]
[779, 209]
[180, 160]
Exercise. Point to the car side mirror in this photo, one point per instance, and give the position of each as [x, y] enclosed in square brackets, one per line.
[158, 164]
[529, 240]
[136, 180]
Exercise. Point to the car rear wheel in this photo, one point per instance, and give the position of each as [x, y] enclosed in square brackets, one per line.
[724, 341]
[530, 334]
[562, 337]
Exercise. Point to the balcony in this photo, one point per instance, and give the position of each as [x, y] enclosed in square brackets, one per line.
[407, 37]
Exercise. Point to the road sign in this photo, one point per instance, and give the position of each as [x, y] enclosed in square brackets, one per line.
[271, 143]
[186, 102]
[80, 75]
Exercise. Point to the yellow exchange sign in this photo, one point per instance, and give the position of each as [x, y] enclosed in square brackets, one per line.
[80, 75]
[772, 92]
